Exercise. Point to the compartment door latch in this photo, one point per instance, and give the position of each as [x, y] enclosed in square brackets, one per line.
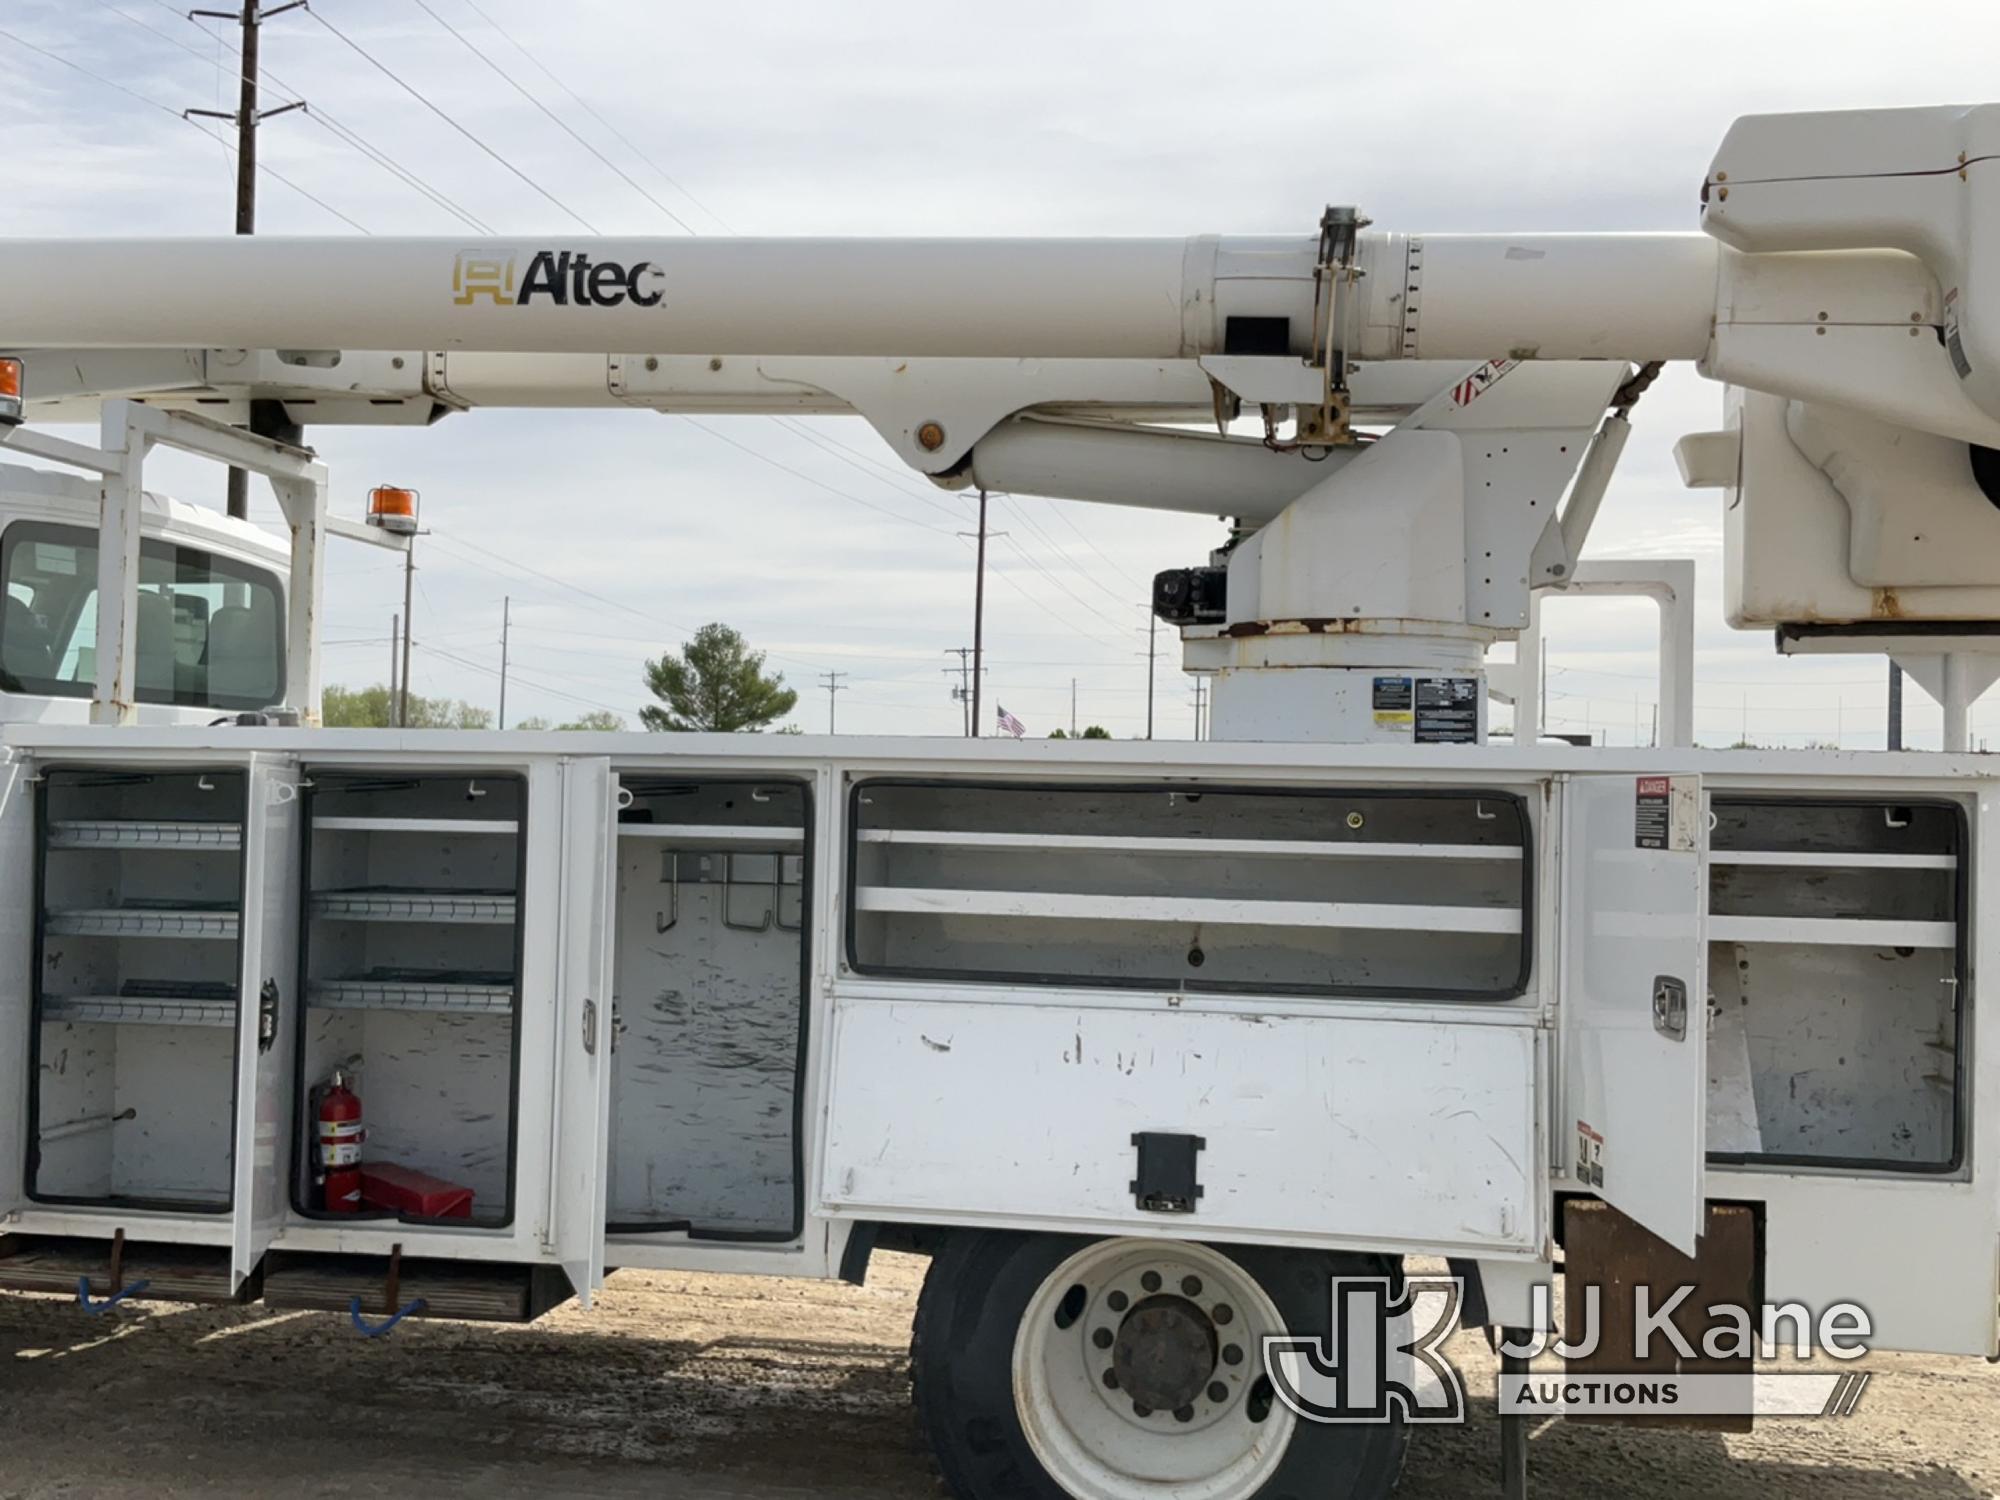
[1670, 1007]
[1167, 1183]
[267, 1015]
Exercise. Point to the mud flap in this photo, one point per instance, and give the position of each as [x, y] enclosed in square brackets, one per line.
[1616, 1255]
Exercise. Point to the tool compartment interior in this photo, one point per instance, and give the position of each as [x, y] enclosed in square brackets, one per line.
[412, 964]
[708, 1030]
[1837, 978]
[136, 975]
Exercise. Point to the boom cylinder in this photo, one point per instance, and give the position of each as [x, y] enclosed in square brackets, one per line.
[1468, 297]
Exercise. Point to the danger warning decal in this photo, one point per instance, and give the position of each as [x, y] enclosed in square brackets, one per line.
[1480, 381]
[1665, 813]
[1589, 1156]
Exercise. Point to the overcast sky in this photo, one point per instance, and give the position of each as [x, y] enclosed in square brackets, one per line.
[616, 533]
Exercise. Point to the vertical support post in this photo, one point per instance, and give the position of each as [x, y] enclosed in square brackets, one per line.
[395, 660]
[1677, 653]
[1895, 733]
[1957, 700]
[1513, 1428]
[304, 504]
[1531, 676]
[115, 697]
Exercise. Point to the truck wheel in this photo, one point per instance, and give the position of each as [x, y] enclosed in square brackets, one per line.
[1048, 1366]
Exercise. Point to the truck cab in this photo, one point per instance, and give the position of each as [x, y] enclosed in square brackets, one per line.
[211, 606]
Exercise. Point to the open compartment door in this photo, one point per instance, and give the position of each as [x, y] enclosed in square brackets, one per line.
[1635, 996]
[267, 1009]
[583, 1023]
[17, 943]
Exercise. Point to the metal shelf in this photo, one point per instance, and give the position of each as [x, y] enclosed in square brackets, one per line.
[134, 834]
[1833, 932]
[123, 1010]
[449, 995]
[489, 908]
[146, 921]
[715, 835]
[1832, 860]
[1140, 844]
[415, 825]
[1188, 909]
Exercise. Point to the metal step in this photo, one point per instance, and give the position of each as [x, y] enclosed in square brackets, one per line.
[479, 1291]
[172, 1273]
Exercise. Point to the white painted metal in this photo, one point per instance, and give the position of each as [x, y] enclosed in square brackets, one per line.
[1260, 848]
[1565, 296]
[587, 903]
[1089, 1437]
[265, 1118]
[1367, 1160]
[1634, 1096]
[17, 931]
[1842, 932]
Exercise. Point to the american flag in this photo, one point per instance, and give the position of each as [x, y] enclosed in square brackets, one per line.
[1009, 723]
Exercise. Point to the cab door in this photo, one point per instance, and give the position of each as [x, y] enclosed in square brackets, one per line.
[588, 894]
[267, 1008]
[1634, 996]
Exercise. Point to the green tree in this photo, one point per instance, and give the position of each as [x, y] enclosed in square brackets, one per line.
[1095, 732]
[598, 721]
[375, 708]
[716, 683]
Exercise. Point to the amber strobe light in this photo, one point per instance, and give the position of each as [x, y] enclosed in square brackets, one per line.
[393, 509]
[10, 392]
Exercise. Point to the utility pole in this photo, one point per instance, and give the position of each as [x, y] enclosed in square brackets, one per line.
[962, 694]
[267, 418]
[1152, 633]
[833, 685]
[409, 629]
[1200, 707]
[506, 623]
[979, 613]
[1895, 706]
[395, 660]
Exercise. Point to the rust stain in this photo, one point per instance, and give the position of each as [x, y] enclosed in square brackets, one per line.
[1887, 605]
[1317, 625]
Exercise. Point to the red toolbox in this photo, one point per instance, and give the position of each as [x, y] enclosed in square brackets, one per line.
[400, 1190]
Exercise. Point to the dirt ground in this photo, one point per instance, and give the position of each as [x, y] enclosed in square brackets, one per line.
[686, 1386]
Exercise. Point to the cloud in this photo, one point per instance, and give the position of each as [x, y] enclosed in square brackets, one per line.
[902, 118]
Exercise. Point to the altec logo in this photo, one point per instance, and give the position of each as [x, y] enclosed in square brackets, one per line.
[566, 278]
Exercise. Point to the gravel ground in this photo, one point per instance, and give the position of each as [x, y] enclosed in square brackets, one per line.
[687, 1386]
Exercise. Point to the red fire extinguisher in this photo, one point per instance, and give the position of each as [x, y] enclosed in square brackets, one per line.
[340, 1137]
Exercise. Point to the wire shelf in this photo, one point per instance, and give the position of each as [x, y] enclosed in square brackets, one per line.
[128, 1010]
[375, 904]
[146, 921]
[456, 994]
[136, 834]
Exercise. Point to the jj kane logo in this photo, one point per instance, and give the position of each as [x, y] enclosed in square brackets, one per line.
[564, 278]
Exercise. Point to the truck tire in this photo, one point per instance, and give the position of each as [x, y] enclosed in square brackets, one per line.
[1034, 1358]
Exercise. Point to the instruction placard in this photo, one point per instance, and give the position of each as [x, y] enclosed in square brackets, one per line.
[1447, 710]
[1395, 700]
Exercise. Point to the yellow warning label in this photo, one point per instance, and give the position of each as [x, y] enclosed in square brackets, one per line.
[1394, 719]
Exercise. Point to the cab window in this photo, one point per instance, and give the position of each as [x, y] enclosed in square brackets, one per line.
[211, 630]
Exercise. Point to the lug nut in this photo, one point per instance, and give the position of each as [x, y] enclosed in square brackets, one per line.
[1223, 1314]
[1102, 1338]
[1184, 1414]
[1218, 1392]
[1191, 1286]
[1231, 1355]
[1150, 1281]
[1111, 1380]
[1117, 1302]
[1141, 1411]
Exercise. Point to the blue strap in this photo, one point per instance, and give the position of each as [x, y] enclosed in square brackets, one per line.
[375, 1330]
[83, 1295]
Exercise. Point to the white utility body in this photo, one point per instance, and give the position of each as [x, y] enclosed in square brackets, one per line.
[1344, 985]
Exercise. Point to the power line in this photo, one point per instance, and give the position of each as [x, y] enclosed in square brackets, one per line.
[168, 110]
[809, 479]
[424, 99]
[320, 117]
[560, 123]
[585, 105]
